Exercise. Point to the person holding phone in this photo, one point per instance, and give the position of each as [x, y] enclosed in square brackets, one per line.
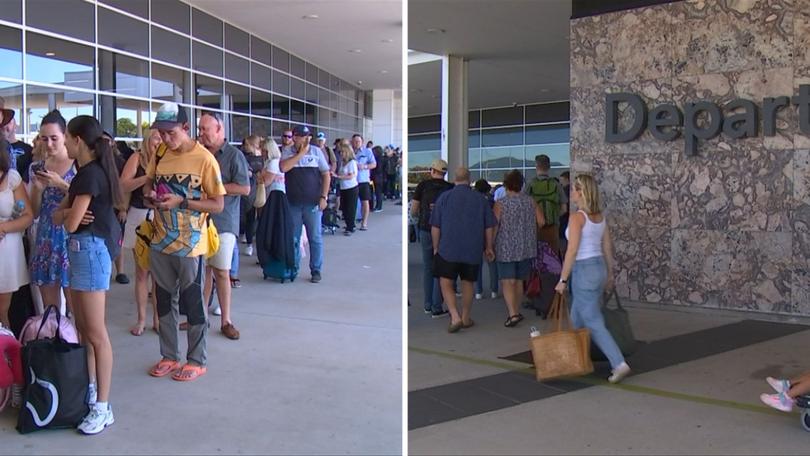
[307, 176]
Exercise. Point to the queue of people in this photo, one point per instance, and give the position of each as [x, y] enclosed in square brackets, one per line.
[84, 204]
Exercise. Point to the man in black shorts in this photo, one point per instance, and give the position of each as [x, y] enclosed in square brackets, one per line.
[462, 228]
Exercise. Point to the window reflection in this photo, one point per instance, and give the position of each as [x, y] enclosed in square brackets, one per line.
[171, 13]
[281, 59]
[11, 11]
[296, 88]
[10, 52]
[281, 83]
[207, 59]
[123, 74]
[238, 97]
[59, 62]
[278, 130]
[261, 50]
[208, 91]
[560, 154]
[41, 100]
[170, 47]
[206, 27]
[237, 41]
[281, 107]
[260, 75]
[122, 32]
[296, 111]
[309, 114]
[240, 128]
[12, 95]
[75, 17]
[237, 68]
[260, 127]
[311, 95]
[260, 103]
[169, 84]
[124, 117]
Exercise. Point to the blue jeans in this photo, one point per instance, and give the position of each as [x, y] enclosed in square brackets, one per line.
[235, 260]
[310, 217]
[433, 293]
[493, 278]
[587, 286]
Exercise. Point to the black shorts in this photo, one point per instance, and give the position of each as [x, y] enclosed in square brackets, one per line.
[449, 270]
[365, 191]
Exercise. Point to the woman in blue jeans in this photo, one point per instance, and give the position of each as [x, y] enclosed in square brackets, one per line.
[88, 215]
[589, 264]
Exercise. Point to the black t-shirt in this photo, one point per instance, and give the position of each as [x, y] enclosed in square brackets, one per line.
[24, 160]
[427, 192]
[91, 180]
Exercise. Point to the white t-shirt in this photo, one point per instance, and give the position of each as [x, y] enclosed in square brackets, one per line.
[273, 166]
[350, 167]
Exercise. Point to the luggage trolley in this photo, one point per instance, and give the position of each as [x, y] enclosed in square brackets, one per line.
[803, 402]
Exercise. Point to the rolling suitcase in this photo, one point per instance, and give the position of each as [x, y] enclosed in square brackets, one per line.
[273, 268]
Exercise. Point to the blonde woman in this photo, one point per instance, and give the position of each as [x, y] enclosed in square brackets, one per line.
[133, 178]
[252, 147]
[275, 240]
[589, 265]
[349, 187]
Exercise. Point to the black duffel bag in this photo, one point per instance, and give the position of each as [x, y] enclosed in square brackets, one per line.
[56, 382]
[617, 323]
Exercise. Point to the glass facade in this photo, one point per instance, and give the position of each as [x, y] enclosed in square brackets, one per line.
[500, 140]
[120, 60]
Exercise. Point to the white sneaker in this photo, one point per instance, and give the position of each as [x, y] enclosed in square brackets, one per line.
[96, 421]
[217, 311]
[249, 250]
[494, 295]
[621, 371]
[478, 296]
[778, 385]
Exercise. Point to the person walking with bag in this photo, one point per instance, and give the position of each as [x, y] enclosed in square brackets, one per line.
[88, 214]
[589, 265]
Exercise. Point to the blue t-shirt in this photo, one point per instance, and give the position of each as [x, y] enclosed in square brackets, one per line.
[364, 156]
[463, 217]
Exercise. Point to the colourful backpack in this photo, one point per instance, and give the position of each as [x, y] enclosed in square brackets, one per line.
[544, 192]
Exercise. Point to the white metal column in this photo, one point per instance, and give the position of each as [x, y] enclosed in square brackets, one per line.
[455, 119]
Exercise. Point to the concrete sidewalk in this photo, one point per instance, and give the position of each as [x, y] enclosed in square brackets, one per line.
[707, 405]
[317, 370]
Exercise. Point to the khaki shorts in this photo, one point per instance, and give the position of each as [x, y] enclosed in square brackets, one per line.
[223, 259]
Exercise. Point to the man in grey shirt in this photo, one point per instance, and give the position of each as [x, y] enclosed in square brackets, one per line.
[235, 177]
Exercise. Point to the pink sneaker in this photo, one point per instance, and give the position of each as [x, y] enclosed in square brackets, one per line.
[778, 401]
[779, 385]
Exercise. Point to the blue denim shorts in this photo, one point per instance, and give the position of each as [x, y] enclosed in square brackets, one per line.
[518, 270]
[90, 263]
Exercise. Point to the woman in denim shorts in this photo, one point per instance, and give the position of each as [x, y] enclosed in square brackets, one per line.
[88, 215]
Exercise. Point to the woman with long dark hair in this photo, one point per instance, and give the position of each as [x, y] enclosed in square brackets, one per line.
[89, 216]
[51, 179]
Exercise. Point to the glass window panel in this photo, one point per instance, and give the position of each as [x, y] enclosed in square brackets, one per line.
[137, 7]
[424, 142]
[297, 67]
[548, 134]
[281, 83]
[297, 111]
[240, 128]
[10, 52]
[206, 27]
[122, 74]
[502, 137]
[312, 73]
[311, 95]
[208, 91]
[131, 117]
[323, 78]
[425, 124]
[260, 127]
[58, 61]
[334, 83]
[11, 11]
[281, 108]
[207, 59]
[239, 97]
[278, 130]
[502, 116]
[474, 139]
[41, 100]
[261, 50]
[260, 103]
[560, 154]
[123, 32]
[12, 95]
[547, 112]
[496, 157]
[237, 41]
[474, 158]
[475, 119]
[494, 175]
[310, 116]
[237, 68]
[173, 14]
[281, 59]
[169, 84]
[323, 117]
[260, 76]
[75, 18]
[170, 47]
[422, 160]
[297, 88]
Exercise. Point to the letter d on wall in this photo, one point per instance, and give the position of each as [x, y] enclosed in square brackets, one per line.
[612, 133]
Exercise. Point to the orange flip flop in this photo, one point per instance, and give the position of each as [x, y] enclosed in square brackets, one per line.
[163, 368]
[189, 372]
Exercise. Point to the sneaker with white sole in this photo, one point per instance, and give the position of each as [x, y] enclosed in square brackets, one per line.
[217, 311]
[249, 250]
[479, 296]
[494, 295]
[779, 385]
[778, 401]
[96, 420]
[621, 371]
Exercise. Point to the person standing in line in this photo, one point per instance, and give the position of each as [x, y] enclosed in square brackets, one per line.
[365, 163]
[422, 203]
[184, 187]
[133, 178]
[378, 177]
[327, 151]
[51, 180]
[347, 177]
[390, 167]
[515, 242]
[89, 216]
[550, 196]
[120, 212]
[589, 265]
[234, 176]
[23, 152]
[286, 138]
[252, 148]
[483, 187]
[462, 229]
[307, 179]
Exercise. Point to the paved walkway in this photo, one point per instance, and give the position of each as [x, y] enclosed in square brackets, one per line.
[317, 370]
[698, 393]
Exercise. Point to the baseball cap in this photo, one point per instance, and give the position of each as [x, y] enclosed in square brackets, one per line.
[8, 114]
[169, 116]
[301, 130]
[321, 135]
[439, 165]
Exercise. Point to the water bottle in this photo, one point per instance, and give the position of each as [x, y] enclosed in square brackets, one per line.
[534, 331]
[19, 207]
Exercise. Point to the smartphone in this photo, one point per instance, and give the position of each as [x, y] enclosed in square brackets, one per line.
[161, 190]
[38, 167]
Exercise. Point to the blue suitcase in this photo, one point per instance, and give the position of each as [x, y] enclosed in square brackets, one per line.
[275, 269]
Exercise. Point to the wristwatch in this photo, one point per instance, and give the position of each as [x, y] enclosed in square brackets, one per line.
[184, 204]
[323, 197]
[563, 281]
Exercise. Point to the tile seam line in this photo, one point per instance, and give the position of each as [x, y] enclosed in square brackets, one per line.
[592, 381]
[317, 320]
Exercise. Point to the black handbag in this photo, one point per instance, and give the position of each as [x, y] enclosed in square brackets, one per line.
[617, 323]
[56, 382]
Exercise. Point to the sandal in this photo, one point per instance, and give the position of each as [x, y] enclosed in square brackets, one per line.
[164, 367]
[189, 372]
[235, 283]
[513, 320]
[137, 330]
[454, 327]
[468, 325]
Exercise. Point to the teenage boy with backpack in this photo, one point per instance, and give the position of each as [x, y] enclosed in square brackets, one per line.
[549, 195]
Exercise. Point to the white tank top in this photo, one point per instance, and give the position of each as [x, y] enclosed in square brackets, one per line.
[590, 245]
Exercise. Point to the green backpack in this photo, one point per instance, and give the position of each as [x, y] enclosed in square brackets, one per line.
[544, 192]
